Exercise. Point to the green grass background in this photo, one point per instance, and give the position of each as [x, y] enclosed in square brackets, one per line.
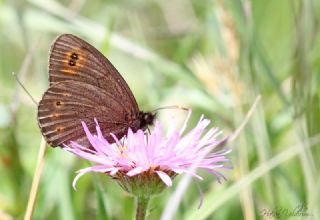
[214, 56]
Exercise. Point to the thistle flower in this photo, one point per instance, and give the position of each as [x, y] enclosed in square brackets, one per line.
[144, 164]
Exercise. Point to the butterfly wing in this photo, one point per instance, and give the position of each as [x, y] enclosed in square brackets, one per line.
[64, 105]
[72, 58]
[84, 85]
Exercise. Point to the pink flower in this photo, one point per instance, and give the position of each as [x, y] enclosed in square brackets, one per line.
[146, 156]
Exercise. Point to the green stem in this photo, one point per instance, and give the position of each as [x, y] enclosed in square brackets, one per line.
[142, 206]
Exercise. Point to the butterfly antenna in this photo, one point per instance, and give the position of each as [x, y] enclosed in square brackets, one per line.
[24, 88]
[171, 107]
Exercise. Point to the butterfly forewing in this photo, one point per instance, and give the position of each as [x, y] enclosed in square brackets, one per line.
[71, 58]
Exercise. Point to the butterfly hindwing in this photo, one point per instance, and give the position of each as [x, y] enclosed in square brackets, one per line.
[64, 105]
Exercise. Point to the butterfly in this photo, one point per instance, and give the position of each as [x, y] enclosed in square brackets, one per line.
[83, 86]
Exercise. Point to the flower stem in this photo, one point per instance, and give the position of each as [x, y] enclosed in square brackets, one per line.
[36, 180]
[142, 206]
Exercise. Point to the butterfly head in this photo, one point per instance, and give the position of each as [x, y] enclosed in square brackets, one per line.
[146, 119]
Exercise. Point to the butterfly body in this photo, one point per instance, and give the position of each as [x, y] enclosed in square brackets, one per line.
[84, 85]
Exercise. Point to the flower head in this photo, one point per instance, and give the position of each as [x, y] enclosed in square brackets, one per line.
[153, 158]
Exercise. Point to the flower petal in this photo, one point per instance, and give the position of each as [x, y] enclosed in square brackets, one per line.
[165, 178]
[185, 122]
[137, 170]
[80, 173]
[201, 196]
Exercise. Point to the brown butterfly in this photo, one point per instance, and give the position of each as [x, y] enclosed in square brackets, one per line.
[84, 85]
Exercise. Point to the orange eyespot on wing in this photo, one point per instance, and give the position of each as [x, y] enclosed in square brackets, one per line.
[75, 58]
[65, 63]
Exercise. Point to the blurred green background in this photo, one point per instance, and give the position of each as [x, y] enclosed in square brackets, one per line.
[214, 56]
